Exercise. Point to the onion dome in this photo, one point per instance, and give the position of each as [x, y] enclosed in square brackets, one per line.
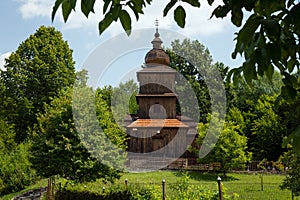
[157, 55]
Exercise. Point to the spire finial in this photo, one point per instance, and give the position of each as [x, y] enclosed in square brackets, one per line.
[156, 41]
[156, 24]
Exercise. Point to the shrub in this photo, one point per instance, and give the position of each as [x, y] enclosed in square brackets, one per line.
[15, 170]
[186, 191]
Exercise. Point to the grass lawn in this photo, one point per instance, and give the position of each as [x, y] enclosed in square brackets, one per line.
[247, 186]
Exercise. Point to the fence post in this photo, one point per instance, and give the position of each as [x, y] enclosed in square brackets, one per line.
[126, 184]
[48, 189]
[220, 187]
[52, 187]
[262, 182]
[163, 190]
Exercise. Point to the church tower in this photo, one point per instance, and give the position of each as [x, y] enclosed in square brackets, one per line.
[157, 131]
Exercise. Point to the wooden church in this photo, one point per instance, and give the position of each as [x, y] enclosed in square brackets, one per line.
[158, 136]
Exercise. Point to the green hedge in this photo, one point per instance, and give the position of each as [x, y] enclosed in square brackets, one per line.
[82, 195]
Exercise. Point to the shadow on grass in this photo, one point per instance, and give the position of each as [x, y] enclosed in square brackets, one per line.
[205, 176]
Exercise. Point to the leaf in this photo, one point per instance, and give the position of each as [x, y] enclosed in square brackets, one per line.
[115, 11]
[294, 139]
[229, 75]
[236, 75]
[210, 2]
[233, 55]
[288, 93]
[237, 16]
[290, 80]
[87, 6]
[67, 6]
[55, 7]
[125, 21]
[104, 24]
[291, 65]
[274, 51]
[262, 60]
[168, 7]
[295, 136]
[271, 6]
[137, 7]
[270, 71]
[106, 4]
[179, 16]
[134, 10]
[221, 11]
[248, 30]
[249, 70]
[194, 3]
[290, 3]
[272, 28]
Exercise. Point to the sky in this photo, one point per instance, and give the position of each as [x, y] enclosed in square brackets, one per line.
[21, 18]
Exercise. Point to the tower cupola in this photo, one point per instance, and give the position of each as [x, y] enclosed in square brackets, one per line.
[157, 55]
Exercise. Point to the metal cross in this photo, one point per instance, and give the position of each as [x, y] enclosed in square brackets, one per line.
[156, 24]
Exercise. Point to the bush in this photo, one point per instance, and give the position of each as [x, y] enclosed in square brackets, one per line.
[70, 190]
[15, 170]
[183, 190]
[114, 194]
[81, 195]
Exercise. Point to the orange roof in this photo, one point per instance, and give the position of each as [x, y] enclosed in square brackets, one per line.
[158, 95]
[169, 123]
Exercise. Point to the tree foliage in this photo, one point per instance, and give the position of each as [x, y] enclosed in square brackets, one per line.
[194, 64]
[15, 169]
[41, 66]
[230, 150]
[268, 130]
[58, 149]
[260, 113]
[123, 100]
[76, 137]
[292, 180]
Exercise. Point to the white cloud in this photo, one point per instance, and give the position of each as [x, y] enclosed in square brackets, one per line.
[2, 59]
[35, 8]
[43, 8]
[197, 20]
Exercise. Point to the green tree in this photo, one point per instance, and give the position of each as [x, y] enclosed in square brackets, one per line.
[76, 138]
[291, 158]
[123, 101]
[15, 168]
[230, 150]
[268, 130]
[292, 180]
[260, 121]
[242, 92]
[193, 62]
[105, 94]
[58, 149]
[290, 111]
[260, 114]
[7, 136]
[35, 73]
